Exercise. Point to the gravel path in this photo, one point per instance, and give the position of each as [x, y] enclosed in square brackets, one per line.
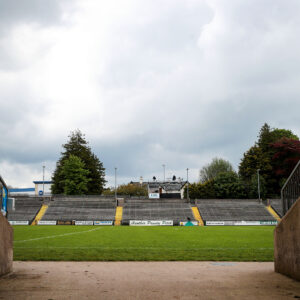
[147, 280]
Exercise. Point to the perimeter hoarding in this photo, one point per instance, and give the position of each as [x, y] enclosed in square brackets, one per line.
[240, 223]
[103, 223]
[151, 222]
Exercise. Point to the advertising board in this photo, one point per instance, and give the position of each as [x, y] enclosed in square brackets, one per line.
[103, 223]
[239, 223]
[18, 222]
[153, 195]
[46, 223]
[84, 223]
[151, 222]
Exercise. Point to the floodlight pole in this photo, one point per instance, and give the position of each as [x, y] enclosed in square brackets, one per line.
[187, 180]
[116, 184]
[164, 166]
[258, 185]
[43, 181]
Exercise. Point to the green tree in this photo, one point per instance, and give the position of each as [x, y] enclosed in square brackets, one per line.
[211, 170]
[78, 146]
[131, 189]
[261, 156]
[201, 190]
[75, 176]
[253, 187]
[227, 185]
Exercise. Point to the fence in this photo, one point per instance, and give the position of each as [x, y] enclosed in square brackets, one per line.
[290, 192]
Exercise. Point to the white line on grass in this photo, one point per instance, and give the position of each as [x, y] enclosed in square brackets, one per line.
[54, 236]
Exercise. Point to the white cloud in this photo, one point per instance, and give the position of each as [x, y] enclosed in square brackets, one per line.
[174, 82]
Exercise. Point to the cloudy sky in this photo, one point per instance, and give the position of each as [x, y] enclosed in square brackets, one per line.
[174, 82]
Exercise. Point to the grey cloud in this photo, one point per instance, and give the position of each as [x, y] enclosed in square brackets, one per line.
[46, 12]
[200, 81]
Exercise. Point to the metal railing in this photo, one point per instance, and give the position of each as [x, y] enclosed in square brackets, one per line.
[290, 192]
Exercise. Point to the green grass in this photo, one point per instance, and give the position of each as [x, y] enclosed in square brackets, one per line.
[123, 243]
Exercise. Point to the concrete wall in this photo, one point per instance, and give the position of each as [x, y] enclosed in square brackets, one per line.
[287, 243]
[6, 246]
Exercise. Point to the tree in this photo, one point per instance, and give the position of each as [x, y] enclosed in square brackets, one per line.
[253, 187]
[261, 156]
[130, 189]
[253, 160]
[267, 136]
[217, 166]
[286, 156]
[227, 185]
[75, 176]
[78, 146]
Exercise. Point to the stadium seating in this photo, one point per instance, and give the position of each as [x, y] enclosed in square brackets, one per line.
[26, 209]
[80, 209]
[232, 210]
[156, 209]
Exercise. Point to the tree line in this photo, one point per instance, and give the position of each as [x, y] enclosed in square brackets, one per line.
[274, 154]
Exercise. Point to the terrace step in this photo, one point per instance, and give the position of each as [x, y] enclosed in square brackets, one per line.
[197, 215]
[273, 213]
[119, 215]
[40, 214]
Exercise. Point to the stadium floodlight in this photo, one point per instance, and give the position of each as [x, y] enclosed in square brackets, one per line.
[258, 185]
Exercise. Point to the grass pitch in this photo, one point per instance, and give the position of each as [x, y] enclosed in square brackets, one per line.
[123, 243]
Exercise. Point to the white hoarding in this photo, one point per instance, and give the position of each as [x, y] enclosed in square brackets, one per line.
[103, 223]
[19, 222]
[239, 223]
[46, 222]
[153, 195]
[151, 222]
[84, 223]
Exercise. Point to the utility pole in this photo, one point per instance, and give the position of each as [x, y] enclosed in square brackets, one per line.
[164, 166]
[187, 180]
[43, 180]
[116, 184]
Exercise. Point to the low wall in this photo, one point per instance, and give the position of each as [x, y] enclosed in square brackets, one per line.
[287, 243]
[6, 246]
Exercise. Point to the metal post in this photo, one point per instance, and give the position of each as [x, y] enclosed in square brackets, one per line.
[258, 184]
[43, 181]
[116, 184]
[164, 166]
[187, 180]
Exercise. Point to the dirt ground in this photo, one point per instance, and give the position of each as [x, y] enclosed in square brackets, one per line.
[147, 280]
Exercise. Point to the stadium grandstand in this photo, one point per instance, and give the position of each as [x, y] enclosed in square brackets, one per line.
[234, 212]
[176, 210]
[68, 209]
[23, 210]
[89, 210]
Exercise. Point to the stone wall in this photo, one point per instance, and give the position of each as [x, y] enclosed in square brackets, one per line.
[287, 243]
[6, 246]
